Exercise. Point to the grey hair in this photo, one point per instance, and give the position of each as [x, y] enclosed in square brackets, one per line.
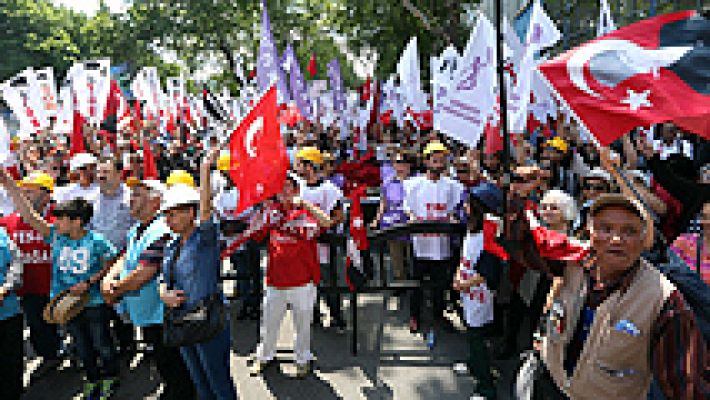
[564, 201]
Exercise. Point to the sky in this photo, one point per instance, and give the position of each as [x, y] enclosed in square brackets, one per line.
[90, 7]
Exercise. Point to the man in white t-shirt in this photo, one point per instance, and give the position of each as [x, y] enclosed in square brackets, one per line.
[83, 164]
[328, 197]
[432, 197]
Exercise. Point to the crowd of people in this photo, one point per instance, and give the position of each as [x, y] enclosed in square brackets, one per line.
[566, 256]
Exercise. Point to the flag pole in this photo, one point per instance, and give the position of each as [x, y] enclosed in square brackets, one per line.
[503, 109]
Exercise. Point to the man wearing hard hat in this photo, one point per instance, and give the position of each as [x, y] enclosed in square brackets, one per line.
[134, 281]
[328, 197]
[35, 256]
[432, 197]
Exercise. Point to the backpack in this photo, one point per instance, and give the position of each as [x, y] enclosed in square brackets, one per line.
[694, 290]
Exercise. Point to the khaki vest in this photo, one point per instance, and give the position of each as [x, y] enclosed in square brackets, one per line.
[613, 364]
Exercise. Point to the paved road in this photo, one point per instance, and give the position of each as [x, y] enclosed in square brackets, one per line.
[391, 364]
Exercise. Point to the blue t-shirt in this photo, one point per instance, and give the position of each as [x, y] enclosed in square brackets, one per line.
[10, 305]
[74, 261]
[144, 305]
[196, 271]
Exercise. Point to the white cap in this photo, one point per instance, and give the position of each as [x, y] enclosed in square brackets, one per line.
[179, 195]
[81, 160]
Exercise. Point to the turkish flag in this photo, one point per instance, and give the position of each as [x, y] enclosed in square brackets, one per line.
[646, 73]
[258, 154]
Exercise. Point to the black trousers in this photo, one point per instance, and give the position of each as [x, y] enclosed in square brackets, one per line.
[11, 349]
[440, 277]
[545, 387]
[170, 365]
[43, 336]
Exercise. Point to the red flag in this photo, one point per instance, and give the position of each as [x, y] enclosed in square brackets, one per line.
[258, 155]
[554, 245]
[312, 67]
[77, 135]
[136, 122]
[532, 123]
[365, 90]
[494, 143]
[645, 73]
[358, 233]
[150, 171]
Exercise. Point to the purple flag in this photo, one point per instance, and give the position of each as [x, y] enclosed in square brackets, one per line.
[268, 68]
[298, 84]
[336, 84]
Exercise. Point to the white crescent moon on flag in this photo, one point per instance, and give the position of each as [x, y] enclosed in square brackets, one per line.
[634, 60]
[254, 128]
[576, 63]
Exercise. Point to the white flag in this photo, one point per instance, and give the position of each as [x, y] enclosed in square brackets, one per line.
[46, 90]
[544, 104]
[409, 77]
[444, 70]
[606, 23]
[92, 84]
[542, 32]
[463, 112]
[26, 106]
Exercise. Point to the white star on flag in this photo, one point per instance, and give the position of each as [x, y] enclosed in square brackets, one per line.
[637, 100]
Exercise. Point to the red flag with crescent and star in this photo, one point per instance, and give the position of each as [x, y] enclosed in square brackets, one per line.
[649, 72]
[258, 161]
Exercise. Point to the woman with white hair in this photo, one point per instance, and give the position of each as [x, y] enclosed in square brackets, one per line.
[557, 210]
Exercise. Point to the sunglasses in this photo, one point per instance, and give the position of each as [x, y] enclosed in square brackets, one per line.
[515, 178]
[596, 187]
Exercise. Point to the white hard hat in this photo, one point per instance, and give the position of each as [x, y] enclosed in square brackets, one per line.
[80, 160]
[179, 195]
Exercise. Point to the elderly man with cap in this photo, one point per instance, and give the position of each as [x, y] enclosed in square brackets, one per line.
[35, 256]
[134, 280]
[616, 323]
[84, 166]
[432, 197]
[328, 197]
[191, 268]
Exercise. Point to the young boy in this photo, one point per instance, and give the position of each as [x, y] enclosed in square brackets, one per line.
[476, 296]
[80, 259]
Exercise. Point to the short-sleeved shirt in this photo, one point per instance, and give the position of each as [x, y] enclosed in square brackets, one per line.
[432, 201]
[196, 271]
[145, 246]
[74, 261]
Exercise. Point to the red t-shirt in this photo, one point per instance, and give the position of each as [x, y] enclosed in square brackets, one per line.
[293, 252]
[36, 254]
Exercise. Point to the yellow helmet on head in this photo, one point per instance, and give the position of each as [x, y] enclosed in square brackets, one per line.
[558, 143]
[311, 154]
[180, 177]
[38, 179]
[435, 146]
[223, 162]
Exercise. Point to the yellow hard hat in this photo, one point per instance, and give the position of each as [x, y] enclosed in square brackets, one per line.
[558, 143]
[434, 147]
[180, 177]
[223, 162]
[311, 154]
[39, 179]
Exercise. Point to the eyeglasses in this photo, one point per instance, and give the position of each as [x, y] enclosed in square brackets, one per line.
[549, 206]
[625, 234]
[515, 178]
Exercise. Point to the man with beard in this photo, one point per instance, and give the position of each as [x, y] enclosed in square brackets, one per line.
[432, 197]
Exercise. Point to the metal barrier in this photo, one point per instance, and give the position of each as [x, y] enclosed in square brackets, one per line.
[378, 240]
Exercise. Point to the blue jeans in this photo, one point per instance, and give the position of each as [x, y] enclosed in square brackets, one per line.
[91, 334]
[208, 363]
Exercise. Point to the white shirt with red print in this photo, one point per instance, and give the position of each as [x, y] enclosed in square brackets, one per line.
[431, 200]
[477, 300]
